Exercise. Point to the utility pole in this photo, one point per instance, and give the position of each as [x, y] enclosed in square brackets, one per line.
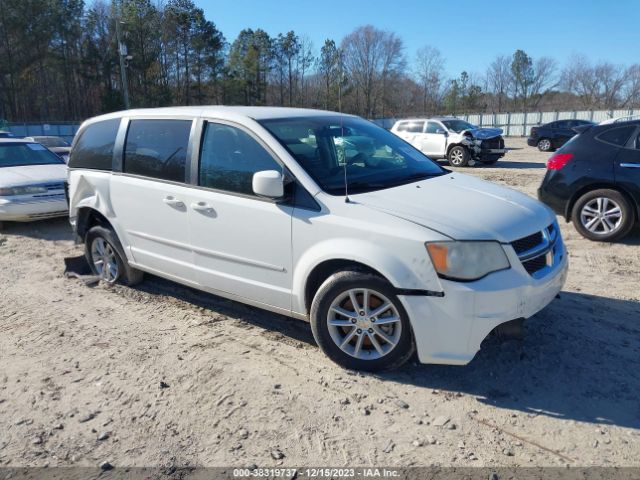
[122, 55]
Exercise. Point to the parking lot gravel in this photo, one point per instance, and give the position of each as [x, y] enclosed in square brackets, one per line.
[163, 375]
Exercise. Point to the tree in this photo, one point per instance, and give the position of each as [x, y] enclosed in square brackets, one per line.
[430, 72]
[330, 68]
[250, 61]
[531, 81]
[499, 81]
[372, 57]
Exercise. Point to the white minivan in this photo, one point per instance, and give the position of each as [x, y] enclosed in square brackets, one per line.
[319, 216]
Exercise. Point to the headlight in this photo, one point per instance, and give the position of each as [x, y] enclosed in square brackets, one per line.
[28, 190]
[467, 261]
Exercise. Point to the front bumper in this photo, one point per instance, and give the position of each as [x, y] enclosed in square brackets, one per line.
[450, 329]
[532, 142]
[25, 210]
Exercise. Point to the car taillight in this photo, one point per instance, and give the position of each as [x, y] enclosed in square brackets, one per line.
[559, 160]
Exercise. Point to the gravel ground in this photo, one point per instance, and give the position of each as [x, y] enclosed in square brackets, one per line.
[162, 375]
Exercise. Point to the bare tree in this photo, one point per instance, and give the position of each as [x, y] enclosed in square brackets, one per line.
[631, 90]
[612, 79]
[430, 72]
[499, 80]
[371, 58]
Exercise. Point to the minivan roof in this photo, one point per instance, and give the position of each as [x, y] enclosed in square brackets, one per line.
[256, 113]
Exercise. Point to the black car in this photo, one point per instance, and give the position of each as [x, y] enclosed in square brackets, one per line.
[594, 180]
[553, 135]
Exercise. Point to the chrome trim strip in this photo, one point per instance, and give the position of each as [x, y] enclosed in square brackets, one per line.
[630, 165]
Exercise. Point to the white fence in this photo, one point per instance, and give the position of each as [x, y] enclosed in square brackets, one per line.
[518, 124]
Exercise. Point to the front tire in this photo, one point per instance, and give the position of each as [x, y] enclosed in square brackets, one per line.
[458, 156]
[544, 145]
[106, 258]
[603, 215]
[359, 322]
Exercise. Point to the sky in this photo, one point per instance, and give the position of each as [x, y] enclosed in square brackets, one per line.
[469, 34]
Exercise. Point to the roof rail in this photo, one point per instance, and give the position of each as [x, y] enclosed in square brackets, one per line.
[626, 118]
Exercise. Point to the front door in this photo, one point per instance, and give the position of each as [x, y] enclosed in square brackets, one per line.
[434, 141]
[149, 196]
[241, 243]
[627, 166]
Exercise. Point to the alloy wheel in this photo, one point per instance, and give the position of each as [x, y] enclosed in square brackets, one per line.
[544, 145]
[601, 216]
[457, 157]
[104, 260]
[364, 323]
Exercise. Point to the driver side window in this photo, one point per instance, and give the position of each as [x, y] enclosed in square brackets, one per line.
[229, 157]
[432, 127]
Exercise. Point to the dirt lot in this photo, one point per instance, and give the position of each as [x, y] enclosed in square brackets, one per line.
[162, 375]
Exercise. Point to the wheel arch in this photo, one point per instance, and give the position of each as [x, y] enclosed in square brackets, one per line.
[458, 144]
[597, 186]
[88, 217]
[411, 271]
[325, 269]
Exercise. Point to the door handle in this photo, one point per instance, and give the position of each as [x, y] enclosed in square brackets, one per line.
[202, 207]
[630, 165]
[173, 202]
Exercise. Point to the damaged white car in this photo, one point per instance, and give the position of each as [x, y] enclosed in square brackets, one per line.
[460, 142]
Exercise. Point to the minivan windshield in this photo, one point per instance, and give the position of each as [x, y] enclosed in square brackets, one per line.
[22, 154]
[331, 149]
[51, 142]
[458, 125]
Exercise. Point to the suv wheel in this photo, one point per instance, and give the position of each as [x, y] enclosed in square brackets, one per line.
[359, 322]
[544, 145]
[603, 215]
[106, 257]
[458, 156]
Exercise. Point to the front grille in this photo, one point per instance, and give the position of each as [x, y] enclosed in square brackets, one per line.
[535, 265]
[533, 250]
[493, 143]
[527, 243]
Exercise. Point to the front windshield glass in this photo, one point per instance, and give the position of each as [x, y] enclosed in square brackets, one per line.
[21, 154]
[457, 125]
[52, 142]
[373, 158]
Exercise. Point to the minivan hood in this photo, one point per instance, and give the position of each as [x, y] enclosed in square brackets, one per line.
[32, 174]
[462, 207]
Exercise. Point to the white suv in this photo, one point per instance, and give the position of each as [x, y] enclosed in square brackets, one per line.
[250, 203]
[460, 142]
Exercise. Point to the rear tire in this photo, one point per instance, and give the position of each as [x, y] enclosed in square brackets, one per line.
[544, 145]
[458, 156]
[106, 258]
[603, 215]
[366, 336]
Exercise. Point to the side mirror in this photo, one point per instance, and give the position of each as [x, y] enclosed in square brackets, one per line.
[441, 131]
[268, 183]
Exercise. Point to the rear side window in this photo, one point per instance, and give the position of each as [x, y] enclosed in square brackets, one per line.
[617, 136]
[402, 127]
[157, 149]
[415, 127]
[94, 147]
[229, 159]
